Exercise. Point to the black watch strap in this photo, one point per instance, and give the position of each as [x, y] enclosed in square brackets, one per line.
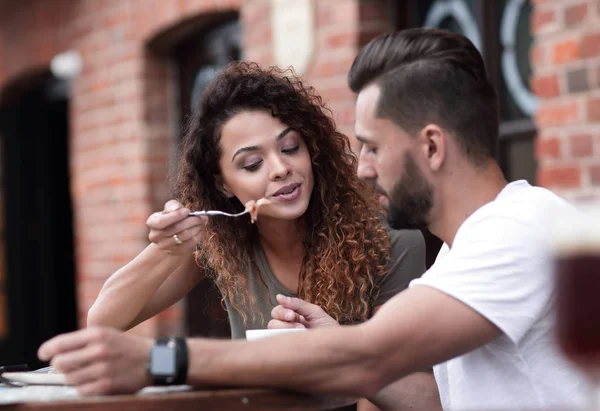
[178, 347]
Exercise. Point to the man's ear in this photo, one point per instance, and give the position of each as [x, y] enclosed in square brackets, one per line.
[434, 144]
[222, 187]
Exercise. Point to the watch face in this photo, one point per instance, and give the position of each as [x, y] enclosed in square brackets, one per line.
[163, 361]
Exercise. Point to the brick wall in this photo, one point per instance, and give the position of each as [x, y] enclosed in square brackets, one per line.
[124, 105]
[123, 112]
[342, 26]
[566, 62]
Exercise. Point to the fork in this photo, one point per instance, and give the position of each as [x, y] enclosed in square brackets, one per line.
[216, 212]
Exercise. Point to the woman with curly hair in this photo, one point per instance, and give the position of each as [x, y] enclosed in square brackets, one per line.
[264, 134]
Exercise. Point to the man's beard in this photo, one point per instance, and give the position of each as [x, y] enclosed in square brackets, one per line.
[411, 198]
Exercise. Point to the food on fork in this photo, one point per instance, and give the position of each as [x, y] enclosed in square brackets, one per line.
[252, 206]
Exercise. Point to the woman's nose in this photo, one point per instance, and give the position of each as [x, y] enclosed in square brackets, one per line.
[280, 168]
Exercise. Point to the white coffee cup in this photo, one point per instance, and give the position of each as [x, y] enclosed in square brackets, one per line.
[258, 334]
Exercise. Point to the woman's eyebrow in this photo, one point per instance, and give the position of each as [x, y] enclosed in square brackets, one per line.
[255, 148]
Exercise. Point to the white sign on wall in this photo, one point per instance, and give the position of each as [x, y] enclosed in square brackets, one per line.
[293, 27]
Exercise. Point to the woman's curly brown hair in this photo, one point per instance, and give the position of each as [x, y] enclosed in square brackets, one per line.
[346, 245]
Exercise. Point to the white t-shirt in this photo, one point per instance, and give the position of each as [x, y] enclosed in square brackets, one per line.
[499, 265]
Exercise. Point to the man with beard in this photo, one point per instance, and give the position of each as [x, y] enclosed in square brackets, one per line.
[482, 316]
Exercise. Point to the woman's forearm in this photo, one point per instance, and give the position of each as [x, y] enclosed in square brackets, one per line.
[129, 290]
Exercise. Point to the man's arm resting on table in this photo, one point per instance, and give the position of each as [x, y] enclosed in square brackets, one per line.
[355, 360]
[416, 391]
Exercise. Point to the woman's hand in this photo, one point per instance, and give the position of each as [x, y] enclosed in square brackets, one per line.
[174, 231]
[296, 313]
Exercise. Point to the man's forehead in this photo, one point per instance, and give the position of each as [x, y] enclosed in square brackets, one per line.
[366, 121]
[367, 99]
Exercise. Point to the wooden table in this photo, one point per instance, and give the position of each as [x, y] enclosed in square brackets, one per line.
[219, 399]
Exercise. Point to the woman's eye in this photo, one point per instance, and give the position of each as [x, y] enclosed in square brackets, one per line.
[253, 166]
[291, 150]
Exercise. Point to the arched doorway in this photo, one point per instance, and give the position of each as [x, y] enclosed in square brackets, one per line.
[39, 273]
[198, 58]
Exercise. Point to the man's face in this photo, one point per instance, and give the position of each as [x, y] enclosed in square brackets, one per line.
[387, 161]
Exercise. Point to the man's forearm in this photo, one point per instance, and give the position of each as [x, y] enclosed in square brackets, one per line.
[336, 361]
[417, 391]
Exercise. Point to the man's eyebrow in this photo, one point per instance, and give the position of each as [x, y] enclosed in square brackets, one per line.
[363, 139]
[254, 148]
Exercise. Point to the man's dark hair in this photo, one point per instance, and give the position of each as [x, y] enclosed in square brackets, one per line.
[432, 76]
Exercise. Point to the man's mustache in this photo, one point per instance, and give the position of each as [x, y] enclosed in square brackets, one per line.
[379, 190]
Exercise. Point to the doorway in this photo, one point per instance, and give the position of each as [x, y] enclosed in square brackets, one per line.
[38, 261]
[199, 58]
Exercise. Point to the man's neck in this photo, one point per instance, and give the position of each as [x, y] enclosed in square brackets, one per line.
[462, 194]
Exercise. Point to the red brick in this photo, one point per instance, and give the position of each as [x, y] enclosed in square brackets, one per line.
[341, 38]
[341, 12]
[372, 10]
[260, 34]
[566, 51]
[541, 19]
[575, 14]
[324, 16]
[595, 175]
[341, 93]
[255, 14]
[593, 109]
[590, 46]
[366, 35]
[537, 55]
[547, 148]
[545, 86]
[334, 67]
[581, 145]
[560, 177]
[558, 114]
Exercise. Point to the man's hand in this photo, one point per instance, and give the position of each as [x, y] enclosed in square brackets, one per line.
[100, 360]
[296, 313]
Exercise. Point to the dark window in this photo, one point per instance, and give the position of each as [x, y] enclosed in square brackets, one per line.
[501, 31]
[199, 58]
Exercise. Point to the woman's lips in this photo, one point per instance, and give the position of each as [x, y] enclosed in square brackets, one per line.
[290, 196]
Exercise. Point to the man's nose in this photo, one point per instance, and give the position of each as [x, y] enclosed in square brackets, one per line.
[365, 171]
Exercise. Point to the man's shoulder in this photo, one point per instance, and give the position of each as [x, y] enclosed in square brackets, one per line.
[522, 208]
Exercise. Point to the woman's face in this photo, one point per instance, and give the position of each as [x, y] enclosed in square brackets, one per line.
[262, 157]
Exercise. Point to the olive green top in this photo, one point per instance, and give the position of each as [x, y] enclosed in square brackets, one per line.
[407, 262]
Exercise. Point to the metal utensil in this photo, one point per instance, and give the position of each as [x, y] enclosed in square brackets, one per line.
[216, 212]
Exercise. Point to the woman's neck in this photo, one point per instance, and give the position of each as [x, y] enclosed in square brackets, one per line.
[284, 238]
[282, 242]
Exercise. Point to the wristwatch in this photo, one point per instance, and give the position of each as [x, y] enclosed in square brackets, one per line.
[168, 362]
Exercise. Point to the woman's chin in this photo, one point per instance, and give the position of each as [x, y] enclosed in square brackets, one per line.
[289, 214]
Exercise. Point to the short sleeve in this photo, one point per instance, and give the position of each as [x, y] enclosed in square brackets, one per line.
[407, 262]
[499, 267]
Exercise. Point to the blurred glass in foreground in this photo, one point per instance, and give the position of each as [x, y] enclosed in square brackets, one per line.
[577, 275]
